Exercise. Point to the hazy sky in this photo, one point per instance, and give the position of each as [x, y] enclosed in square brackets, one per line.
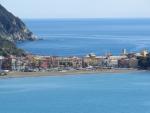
[78, 8]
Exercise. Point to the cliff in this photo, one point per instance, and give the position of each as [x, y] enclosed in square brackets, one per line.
[12, 28]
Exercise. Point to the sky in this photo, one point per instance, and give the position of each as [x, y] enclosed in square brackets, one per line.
[78, 8]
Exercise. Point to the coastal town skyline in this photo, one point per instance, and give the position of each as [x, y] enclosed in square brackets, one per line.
[39, 63]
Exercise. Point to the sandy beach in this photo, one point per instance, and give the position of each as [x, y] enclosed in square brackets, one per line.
[76, 72]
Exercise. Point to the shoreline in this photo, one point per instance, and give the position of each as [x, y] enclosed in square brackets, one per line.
[75, 73]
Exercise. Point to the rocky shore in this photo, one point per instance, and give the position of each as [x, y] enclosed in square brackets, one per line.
[12, 29]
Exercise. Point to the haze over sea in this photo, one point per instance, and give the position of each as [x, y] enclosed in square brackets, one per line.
[69, 37]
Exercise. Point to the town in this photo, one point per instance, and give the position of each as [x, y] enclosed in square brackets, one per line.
[36, 63]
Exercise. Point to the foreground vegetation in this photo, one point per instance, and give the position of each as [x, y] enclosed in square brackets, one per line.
[144, 62]
[9, 48]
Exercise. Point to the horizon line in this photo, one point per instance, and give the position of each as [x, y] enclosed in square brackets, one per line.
[86, 18]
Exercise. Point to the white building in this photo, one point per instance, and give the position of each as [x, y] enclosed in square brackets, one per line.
[124, 52]
[113, 60]
[144, 53]
[1, 61]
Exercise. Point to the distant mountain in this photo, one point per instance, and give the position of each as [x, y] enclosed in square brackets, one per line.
[12, 28]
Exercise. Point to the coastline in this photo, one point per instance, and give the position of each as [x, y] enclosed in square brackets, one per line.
[75, 73]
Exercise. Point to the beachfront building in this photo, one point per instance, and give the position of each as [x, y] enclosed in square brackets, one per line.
[76, 62]
[124, 52]
[108, 61]
[20, 62]
[39, 63]
[44, 63]
[1, 61]
[123, 63]
[73, 62]
[133, 63]
[128, 63]
[17, 63]
[144, 53]
[93, 60]
[113, 60]
[54, 61]
[6, 64]
[13, 60]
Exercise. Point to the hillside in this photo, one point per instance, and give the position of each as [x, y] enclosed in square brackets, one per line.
[12, 28]
[9, 48]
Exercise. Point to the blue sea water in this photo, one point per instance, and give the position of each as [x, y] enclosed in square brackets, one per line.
[68, 37]
[93, 93]
[87, 93]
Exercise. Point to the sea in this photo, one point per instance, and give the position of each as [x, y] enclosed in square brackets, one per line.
[87, 93]
[79, 37]
[127, 92]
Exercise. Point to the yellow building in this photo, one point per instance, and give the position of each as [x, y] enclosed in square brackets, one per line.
[93, 60]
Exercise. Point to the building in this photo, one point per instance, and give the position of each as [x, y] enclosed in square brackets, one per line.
[123, 63]
[113, 60]
[93, 60]
[73, 62]
[124, 52]
[1, 61]
[6, 64]
[128, 63]
[133, 63]
[144, 53]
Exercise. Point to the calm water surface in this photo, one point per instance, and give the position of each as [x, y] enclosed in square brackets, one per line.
[93, 93]
[67, 37]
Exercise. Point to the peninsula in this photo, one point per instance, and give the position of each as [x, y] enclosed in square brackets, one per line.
[12, 29]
